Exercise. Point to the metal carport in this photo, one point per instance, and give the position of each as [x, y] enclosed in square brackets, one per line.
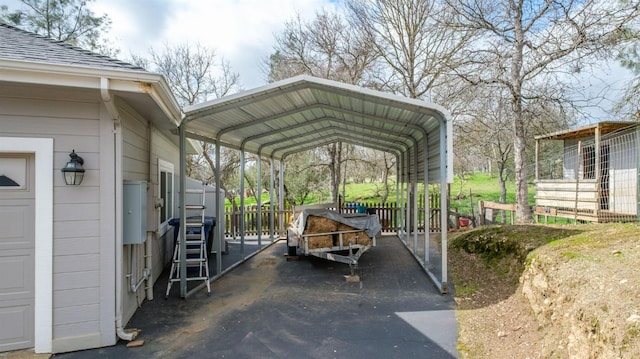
[303, 112]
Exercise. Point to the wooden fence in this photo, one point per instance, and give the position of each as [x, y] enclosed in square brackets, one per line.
[388, 213]
[492, 213]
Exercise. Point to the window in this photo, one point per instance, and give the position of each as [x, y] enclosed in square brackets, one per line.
[166, 193]
[589, 163]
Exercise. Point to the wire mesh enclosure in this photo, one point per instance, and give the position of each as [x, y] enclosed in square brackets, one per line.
[589, 177]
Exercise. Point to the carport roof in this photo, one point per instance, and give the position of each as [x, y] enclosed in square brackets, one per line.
[304, 112]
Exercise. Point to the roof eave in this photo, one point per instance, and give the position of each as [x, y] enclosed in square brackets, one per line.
[90, 78]
[583, 131]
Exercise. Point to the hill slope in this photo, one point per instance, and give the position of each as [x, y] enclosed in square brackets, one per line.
[548, 291]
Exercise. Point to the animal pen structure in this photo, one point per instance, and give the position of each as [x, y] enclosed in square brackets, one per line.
[589, 173]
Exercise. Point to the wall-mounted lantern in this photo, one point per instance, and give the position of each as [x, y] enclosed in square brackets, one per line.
[73, 171]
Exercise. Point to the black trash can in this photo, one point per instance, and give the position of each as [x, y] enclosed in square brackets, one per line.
[209, 229]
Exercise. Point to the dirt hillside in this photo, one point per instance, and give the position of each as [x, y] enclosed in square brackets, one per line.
[548, 291]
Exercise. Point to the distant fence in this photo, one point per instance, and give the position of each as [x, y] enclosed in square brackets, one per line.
[492, 213]
[387, 212]
[505, 213]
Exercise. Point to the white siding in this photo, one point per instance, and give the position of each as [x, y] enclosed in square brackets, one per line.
[163, 242]
[84, 216]
[135, 167]
[137, 139]
[72, 119]
[623, 175]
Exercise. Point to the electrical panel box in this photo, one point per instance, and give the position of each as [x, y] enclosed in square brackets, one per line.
[134, 212]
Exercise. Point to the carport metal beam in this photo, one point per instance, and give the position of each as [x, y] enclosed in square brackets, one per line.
[337, 128]
[321, 106]
[325, 140]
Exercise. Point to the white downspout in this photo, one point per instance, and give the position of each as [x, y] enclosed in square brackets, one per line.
[148, 244]
[117, 138]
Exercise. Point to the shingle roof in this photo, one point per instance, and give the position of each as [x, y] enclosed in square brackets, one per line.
[17, 44]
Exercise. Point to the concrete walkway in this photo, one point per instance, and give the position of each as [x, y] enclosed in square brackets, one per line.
[269, 307]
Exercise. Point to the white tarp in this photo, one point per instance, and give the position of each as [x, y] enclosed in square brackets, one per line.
[369, 223]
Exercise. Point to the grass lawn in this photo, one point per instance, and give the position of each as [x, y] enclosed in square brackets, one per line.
[481, 186]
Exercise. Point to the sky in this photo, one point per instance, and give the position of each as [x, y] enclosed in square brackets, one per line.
[243, 32]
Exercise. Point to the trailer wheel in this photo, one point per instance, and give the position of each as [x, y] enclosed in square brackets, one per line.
[291, 250]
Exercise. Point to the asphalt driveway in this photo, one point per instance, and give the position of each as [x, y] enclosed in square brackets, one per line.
[269, 307]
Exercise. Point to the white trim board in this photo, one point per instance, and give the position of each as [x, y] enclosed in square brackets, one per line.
[43, 150]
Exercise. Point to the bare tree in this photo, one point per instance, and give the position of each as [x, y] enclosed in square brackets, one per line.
[70, 21]
[526, 43]
[412, 38]
[196, 74]
[386, 163]
[305, 175]
[326, 47]
[629, 55]
[373, 166]
[482, 133]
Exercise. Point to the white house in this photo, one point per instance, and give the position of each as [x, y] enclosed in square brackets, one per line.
[62, 245]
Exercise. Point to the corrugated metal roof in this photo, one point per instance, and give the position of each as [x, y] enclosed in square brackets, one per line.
[304, 112]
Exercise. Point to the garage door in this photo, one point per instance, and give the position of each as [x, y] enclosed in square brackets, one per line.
[17, 251]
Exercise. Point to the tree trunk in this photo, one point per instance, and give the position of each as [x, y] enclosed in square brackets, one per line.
[503, 190]
[523, 211]
[335, 169]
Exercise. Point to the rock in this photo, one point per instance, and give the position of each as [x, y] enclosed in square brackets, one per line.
[135, 343]
[634, 318]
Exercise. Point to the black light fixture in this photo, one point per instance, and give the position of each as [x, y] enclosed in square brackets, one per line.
[73, 171]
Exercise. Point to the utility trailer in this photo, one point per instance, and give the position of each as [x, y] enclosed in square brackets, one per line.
[333, 236]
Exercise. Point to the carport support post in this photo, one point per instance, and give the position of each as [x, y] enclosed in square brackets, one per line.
[444, 203]
[415, 202]
[638, 173]
[242, 203]
[401, 212]
[272, 175]
[427, 208]
[259, 195]
[398, 179]
[407, 219]
[183, 213]
[221, 219]
[281, 198]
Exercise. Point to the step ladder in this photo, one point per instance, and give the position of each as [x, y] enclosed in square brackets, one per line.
[196, 243]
